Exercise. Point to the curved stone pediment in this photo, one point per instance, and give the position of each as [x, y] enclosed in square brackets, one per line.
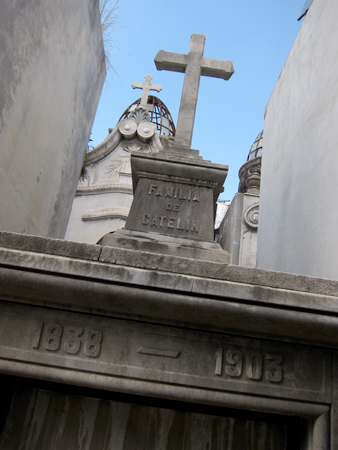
[137, 127]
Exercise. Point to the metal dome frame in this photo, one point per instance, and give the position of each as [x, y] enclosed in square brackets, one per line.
[158, 114]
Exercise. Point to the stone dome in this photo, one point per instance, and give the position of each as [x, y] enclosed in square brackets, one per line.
[250, 172]
[158, 114]
[257, 147]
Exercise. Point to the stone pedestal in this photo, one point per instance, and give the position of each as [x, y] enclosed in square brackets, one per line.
[175, 194]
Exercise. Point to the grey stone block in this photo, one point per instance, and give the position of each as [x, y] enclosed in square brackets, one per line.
[162, 246]
[57, 247]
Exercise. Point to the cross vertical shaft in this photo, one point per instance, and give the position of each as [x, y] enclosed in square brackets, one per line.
[194, 65]
[187, 111]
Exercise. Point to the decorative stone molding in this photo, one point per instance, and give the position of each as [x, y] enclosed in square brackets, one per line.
[128, 128]
[176, 179]
[137, 125]
[251, 216]
[250, 176]
[145, 131]
[122, 164]
[167, 141]
[140, 114]
[105, 213]
[102, 150]
[104, 188]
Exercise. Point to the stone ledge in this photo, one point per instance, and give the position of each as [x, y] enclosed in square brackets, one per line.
[194, 251]
[162, 298]
[59, 247]
[117, 273]
[137, 285]
[172, 264]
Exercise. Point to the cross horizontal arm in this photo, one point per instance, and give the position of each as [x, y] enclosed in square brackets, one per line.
[137, 85]
[217, 68]
[175, 62]
[153, 87]
[210, 67]
[156, 87]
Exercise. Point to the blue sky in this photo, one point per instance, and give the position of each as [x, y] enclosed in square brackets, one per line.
[256, 35]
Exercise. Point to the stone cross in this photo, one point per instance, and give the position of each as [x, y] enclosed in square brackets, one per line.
[146, 86]
[194, 64]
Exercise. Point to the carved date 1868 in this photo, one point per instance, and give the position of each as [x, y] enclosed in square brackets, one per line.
[253, 365]
[54, 337]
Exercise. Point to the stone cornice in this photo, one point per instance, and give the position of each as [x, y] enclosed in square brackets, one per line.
[107, 146]
[104, 188]
[105, 213]
[180, 291]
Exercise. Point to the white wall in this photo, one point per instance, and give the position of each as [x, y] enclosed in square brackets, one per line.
[298, 225]
[52, 71]
[237, 233]
[95, 215]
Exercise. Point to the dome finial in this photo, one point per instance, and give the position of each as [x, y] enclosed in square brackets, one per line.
[146, 86]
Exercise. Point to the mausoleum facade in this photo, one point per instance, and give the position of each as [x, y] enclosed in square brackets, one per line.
[159, 337]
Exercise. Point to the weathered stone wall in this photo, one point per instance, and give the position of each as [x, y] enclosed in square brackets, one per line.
[52, 70]
[299, 192]
[164, 327]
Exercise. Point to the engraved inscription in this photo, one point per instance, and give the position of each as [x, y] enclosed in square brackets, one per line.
[252, 365]
[177, 223]
[69, 341]
[159, 352]
[169, 191]
[171, 207]
[274, 371]
[55, 337]
[171, 214]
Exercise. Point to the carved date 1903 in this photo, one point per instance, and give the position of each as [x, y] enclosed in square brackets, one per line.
[54, 337]
[252, 365]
